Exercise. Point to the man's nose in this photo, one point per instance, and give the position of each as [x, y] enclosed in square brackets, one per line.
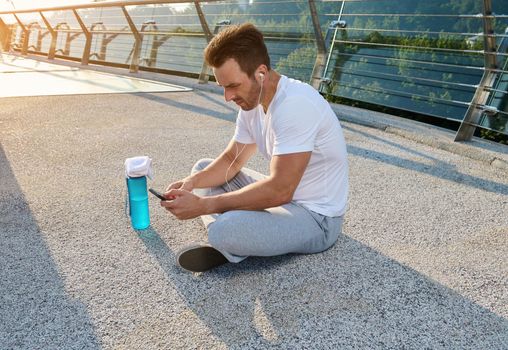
[228, 95]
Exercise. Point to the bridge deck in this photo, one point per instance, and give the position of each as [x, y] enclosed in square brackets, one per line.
[422, 262]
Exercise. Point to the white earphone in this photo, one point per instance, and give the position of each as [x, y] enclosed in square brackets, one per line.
[262, 78]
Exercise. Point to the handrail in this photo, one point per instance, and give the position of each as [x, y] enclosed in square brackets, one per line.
[100, 4]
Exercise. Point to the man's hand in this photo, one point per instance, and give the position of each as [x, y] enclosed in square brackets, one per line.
[185, 184]
[185, 204]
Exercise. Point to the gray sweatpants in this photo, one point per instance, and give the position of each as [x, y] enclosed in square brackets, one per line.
[289, 228]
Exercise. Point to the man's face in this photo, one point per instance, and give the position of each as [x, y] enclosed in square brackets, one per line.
[238, 86]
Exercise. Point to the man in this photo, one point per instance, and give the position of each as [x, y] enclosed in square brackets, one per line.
[299, 206]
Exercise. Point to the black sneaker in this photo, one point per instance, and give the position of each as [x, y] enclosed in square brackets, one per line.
[200, 257]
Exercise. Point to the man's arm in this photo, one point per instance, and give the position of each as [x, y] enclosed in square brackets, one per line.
[286, 172]
[231, 160]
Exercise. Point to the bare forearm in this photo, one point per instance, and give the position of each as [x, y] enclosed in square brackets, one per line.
[224, 167]
[214, 174]
[257, 196]
[278, 189]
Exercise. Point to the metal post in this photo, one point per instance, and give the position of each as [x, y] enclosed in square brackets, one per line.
[202, 20]
[154, 50]
[137, 45]
[319, 64]
[53, 33]
[88, 44]
[40, 36]
[104, 40]
[67, 47]
[38, 42]
[26, 36]
[150, 26]
[204, 75]
[157, 42]
[475, 110]
[5, 35]
[330, 47]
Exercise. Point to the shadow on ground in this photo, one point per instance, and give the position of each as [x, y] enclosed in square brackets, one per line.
[358, 298]
[36, 311]
[206, 111]
[436, 167]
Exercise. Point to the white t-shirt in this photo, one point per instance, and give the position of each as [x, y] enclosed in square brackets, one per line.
[299, 119]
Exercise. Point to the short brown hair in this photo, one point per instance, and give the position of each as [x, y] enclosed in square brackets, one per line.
[244, 43]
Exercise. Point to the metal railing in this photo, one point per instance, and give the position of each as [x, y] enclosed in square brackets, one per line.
[141, 35]
[443, 64]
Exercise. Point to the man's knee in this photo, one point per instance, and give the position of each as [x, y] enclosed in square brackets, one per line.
[222, 234]
[201, 164]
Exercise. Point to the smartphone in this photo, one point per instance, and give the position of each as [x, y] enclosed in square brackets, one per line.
[157, 194]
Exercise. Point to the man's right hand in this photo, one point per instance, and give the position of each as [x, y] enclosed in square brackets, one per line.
[184, 184]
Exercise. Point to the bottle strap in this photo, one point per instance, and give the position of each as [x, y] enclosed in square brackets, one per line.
[127, 207]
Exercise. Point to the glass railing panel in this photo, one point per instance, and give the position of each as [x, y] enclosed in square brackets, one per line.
[173, 38]
[71, 39]
[111, 17]
[423, 57]
[286, 25]
[112, 39]
[182, 53]
[291, 16]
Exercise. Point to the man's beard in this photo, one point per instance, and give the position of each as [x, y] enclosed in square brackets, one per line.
[255, 93]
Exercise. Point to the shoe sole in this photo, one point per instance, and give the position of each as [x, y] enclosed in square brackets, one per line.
[200, 258]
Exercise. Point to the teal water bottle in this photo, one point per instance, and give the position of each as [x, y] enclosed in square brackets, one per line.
[138, 202]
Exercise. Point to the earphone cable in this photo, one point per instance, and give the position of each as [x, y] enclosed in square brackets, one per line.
[239, 153]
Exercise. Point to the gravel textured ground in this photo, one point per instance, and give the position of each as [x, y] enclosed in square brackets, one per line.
[421, 264]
